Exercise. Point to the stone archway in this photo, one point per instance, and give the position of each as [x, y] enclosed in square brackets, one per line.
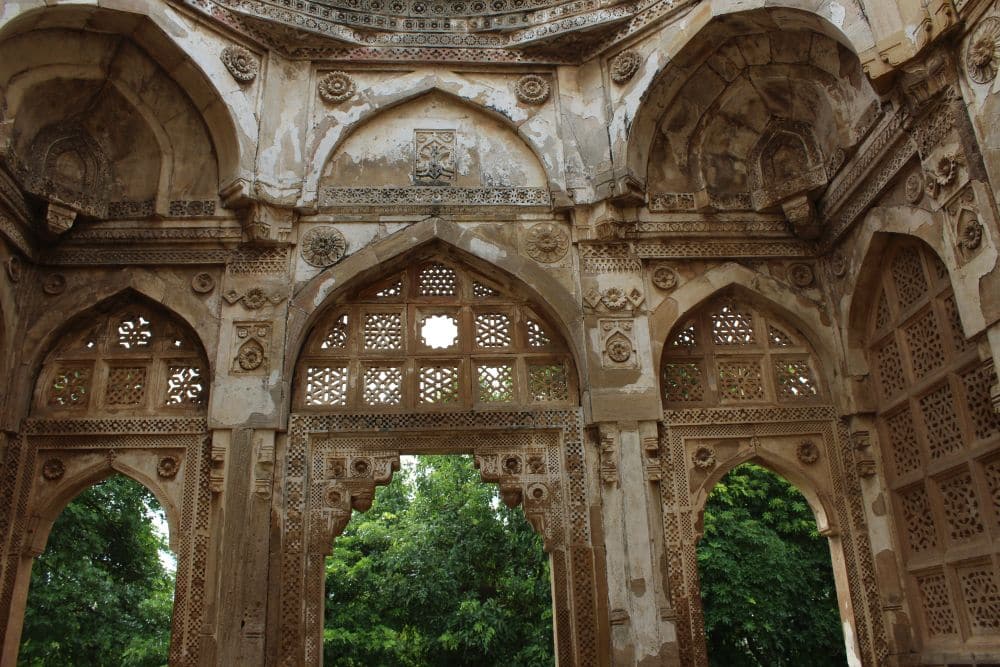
[369, 388]
[740, 382]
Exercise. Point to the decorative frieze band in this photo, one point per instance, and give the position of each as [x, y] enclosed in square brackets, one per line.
[433, 196]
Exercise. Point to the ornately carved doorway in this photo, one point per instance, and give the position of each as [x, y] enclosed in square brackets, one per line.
[371, 385]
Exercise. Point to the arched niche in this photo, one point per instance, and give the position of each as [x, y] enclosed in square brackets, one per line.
[434, 139]
[702, 119]
[160, 130]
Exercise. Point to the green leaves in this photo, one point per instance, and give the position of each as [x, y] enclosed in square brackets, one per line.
[99, 594]
[766, 578]
[438, 572]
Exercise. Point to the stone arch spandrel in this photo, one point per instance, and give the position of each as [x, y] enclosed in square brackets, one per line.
[308, 304]
[674, 55]
[535, 129]
[808, 316]
[178, 47]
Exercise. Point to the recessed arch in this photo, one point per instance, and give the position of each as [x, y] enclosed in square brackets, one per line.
[389, 97]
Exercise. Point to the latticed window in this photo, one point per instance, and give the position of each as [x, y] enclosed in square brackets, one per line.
[435, 336]
[941, 446]
[135, 360]
[731, 353]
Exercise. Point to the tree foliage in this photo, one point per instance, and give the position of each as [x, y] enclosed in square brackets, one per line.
[766, 578]
[99, 594]
[438, 572]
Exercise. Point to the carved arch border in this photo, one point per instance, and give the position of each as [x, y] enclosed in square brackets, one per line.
[330, 462]
[187, 439]
[671, 467]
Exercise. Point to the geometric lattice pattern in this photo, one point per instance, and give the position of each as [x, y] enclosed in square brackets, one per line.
[326, 385]
[943, 432]
[126, 386]
[134, 332]
[919, 521]
[924, 342]
[493, 330]
[70, 387]
[185, 385]
[729, 352]
[438, 384]
[890, 370]
[442, 338]
[903, 442]
[985, 420]
[981, 596]
[939, 616]
[908, 277]
[961, 508]
[794, 379]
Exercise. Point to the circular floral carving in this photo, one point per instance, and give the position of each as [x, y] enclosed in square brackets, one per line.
[532, 89]
[807, 452]
[625, 65]
[361, 467]
[203, 283]
[55, 283]
[703, 457]
[547, 243]
[255, 298]
[241, 63]
[619, 349]
[53, 469]
[914, 188]
[323, 246]
[801, 275]
[336, 87]
[614, 298]
[838, 264]
[512, 465]
[538, 492]
[168, 467]
[664, 277]
[971, 234]
[983, 54]
[250, 356]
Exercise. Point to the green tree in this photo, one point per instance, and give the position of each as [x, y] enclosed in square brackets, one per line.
[766, 579]
[99, 594]
[438, 572]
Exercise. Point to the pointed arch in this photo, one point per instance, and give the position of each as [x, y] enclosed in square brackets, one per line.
[495, 103]
[364, 266]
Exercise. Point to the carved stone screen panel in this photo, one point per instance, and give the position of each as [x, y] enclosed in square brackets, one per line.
[940, 443]
[333, 463]
[731, 353]
[433, 337]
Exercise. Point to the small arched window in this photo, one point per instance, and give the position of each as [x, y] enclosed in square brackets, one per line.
[135, 360]
[729, 352]
[435, 336]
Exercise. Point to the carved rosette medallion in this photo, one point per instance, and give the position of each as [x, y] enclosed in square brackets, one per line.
[838, 264]
[614, 298]
[336, 87]
[250, 355]
[323, 246]
[801, 275]
[547, 243]
[241, 63]
[53, 469]
[54, 283]
[970, 233]
[532, 89]
[624, 66]
[704, 457]
[807, 452]
[203, 283]
[255, 298]
[664, 277]
[168, 467]
[982, 57]
[619, 348]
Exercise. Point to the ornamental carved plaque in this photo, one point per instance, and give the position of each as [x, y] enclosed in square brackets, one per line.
[434, 157]
[242, 64]
[323, 246]
[546, 243]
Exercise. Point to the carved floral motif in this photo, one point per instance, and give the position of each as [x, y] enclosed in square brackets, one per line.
[546, 243]
[983, 53]
[943, 174]
[970, 233]
[54, 283]
[250, 356]
[242, 64]
[704, 457]
[532, 89]
[203, 283]
[914, 188]
[619, 348]
[168, 467]
[336, 87]
[664, 277]
[624, 66]
[53, 469]
[801, 275]
[807, 452]
[323, 246]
